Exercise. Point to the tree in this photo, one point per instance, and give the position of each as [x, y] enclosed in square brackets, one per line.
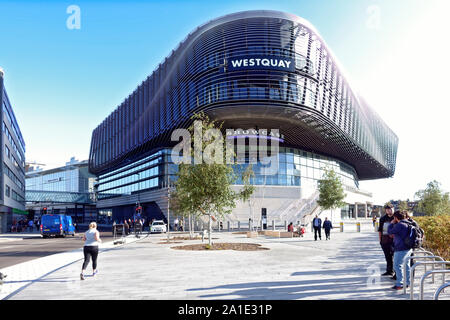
[432, 200]
[204, 188]
[331, 191]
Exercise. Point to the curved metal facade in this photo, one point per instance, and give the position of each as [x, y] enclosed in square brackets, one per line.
[312, 103]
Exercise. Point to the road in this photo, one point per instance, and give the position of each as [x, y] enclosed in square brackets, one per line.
[14, 252]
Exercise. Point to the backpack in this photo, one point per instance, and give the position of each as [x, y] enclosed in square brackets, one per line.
[414, 238]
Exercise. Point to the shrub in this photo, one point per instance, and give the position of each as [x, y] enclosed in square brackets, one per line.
[437, 234]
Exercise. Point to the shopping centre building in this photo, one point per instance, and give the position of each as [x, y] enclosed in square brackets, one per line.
[250, 70]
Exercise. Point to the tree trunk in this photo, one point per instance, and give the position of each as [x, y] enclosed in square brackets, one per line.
[191, 233]
[209, 229]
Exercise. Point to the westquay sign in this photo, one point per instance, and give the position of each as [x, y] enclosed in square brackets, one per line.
[260, 62]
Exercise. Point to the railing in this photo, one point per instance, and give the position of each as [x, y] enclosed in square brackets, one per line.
[425, 255]
[440, 290]
[422, 281]
[413, 268]
[428, 255]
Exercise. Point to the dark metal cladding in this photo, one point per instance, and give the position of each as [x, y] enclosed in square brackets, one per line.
[313, 105]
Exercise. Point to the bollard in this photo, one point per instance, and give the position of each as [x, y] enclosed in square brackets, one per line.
[228, 226]
[342, 226]
[239, 226]
[358, 227]
[262, 225]
[273, 225]
[285, 225]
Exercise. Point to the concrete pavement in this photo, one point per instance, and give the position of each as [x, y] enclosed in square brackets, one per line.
[347, 267]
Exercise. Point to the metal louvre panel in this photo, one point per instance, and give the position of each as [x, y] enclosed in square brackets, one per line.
[319, 103]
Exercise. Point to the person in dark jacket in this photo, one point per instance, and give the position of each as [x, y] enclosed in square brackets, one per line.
[327, 226]
[317, 224]
[399, 229]
[386, 241]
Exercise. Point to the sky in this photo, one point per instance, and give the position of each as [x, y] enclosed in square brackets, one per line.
[63, 82]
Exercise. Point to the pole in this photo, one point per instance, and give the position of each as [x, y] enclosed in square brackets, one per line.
[168, 215]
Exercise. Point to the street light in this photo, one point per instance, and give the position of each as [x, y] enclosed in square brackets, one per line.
[138, 204]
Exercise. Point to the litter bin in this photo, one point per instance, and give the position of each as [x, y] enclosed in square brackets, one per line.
[358, 227]
[342, 226]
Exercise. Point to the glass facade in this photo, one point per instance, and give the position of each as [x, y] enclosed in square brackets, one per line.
[74, 178]
[145, 174]
[296, 166]
[156, 170]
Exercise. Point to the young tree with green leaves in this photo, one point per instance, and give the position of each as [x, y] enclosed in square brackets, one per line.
[204, 188]
[331, 191]
[432, 200]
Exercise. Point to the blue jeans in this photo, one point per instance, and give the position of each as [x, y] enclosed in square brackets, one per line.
[399, 257]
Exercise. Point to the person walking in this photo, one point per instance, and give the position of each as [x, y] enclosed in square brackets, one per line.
[386, 242]
[317, 224]
[290, 227]
[399, 229]
[175, 224]
[30, 225]
[91, 240]
[327, 226]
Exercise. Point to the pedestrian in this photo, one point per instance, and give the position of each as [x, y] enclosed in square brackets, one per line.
[36, 222]
[30, 225]
[91, 240]
[317, 224]
[386, 242]
[399, 230]
[327, 226]
[290, 227]
[374, 220]
[175, 224]
[126, 227]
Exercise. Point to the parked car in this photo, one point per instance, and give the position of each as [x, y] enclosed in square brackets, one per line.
[57, 225]
[158, 226]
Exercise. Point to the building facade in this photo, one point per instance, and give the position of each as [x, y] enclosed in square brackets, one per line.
[250, 70]
[12, 193]
[68, 189]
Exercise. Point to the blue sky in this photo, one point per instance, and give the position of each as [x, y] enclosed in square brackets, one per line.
[63, 83]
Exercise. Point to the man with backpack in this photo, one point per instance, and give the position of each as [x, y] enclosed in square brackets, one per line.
[400, 229]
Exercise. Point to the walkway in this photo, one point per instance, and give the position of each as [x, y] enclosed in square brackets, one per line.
[345, 268]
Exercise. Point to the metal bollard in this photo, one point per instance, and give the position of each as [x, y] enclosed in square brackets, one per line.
[239, 226]
[285, 225]
[228, 226]
[358, 227]
[342, 226]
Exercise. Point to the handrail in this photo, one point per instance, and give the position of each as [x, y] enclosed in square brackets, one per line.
[412, 271]
[422, 281]
[413, 268]
[440, 289]
[410, 257]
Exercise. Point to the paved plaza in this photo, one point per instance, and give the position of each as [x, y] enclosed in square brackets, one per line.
[347, 267]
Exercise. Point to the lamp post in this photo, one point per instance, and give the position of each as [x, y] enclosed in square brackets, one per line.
[138, 204]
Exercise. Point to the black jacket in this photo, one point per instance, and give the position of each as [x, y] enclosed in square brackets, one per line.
[320, 222]
[327, 225]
